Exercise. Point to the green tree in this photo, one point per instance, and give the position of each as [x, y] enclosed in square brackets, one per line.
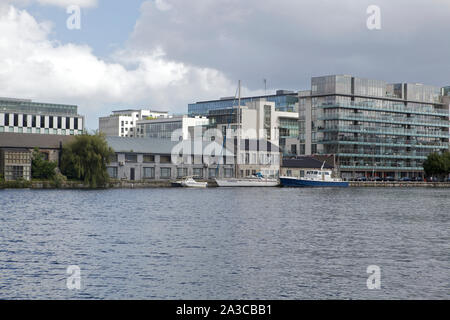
[85, 158]
[437, 164]
[42, 168]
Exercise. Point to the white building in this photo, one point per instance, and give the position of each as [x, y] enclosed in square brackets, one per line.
[259, 121]
[122, 123]
[165, 128]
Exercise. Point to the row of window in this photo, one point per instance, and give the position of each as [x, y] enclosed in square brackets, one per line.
[38, 130]
[33, 121]
[166, 173]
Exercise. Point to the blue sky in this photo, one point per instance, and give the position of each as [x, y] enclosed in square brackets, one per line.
[104, 28]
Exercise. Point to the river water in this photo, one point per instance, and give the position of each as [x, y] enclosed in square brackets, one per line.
[256, 243]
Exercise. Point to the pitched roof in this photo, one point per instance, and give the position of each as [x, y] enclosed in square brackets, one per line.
[304, 162]
[30, 140]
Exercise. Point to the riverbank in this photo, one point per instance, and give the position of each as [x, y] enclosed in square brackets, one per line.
[398, 184]
[211, 184]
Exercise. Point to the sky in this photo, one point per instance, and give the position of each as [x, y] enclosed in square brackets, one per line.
[164, 54]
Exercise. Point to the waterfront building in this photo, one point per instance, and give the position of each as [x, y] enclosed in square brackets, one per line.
[28, 117]
[16, 150]
[184, 127]
[260, 120]
[373, 128]
[123, 123]
[140, 159]
[284, 101]
[297, 167]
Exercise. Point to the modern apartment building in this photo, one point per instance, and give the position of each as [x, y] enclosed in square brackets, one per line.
[122, 123]
[372, 127]
[260, 120]
[165, 128]
[26, 116]
[284, 101]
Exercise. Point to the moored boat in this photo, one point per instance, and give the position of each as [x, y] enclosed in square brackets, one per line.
[189, 182]
[255, 181]
[314, 178]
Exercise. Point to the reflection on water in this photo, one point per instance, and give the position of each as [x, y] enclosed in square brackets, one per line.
[225, 243]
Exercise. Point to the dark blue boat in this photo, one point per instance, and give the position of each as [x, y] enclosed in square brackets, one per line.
[295, 182]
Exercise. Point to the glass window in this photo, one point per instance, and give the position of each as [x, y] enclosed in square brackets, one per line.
[147, 158]
[149, 173]
[181, 172]
[198, 172]
[113, 172]
[166, 173]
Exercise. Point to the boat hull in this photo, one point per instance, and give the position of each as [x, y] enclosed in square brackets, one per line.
[289, 182]
[247, 183]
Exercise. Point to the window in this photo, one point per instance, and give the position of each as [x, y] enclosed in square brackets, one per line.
[67, 123]
[212, 172]
[75, 123]
[131, 157]
[165, 159]
[289, 173]
[59, 123]
[181, 172]
[166, 173]
[228, 173]
[50, 122]
[25, 121]
[16, 120]
[6, 119]
[113, 172]
[198, 172]
[149, 173]
[147, 158]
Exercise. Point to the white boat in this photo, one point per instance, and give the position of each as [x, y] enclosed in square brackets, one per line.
[247, 182]
[189, 182]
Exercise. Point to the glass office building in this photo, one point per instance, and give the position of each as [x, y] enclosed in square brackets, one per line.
[26, 116]
[371, 127]
[284, 101]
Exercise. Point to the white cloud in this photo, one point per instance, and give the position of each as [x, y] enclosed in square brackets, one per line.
[32, 66]
[163, 5]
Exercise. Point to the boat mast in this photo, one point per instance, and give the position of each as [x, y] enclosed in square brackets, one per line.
[238, 115]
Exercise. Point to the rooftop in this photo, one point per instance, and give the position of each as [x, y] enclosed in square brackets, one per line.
[23, 140]
[304, 162]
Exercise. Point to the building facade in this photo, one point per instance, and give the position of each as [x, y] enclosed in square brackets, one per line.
[26, 116]
[284, 101]
[16, 152]
[183, 127]
[123, 123]
[372, 127]
[141, 159]
[259, 121]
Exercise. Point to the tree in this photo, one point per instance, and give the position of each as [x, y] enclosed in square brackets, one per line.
[85, 158]
[42, 168]
[437, 164]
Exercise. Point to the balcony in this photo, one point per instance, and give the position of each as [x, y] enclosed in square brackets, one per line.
[400, 108]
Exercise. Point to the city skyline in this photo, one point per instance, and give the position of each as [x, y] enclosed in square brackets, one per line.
[155, 54]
